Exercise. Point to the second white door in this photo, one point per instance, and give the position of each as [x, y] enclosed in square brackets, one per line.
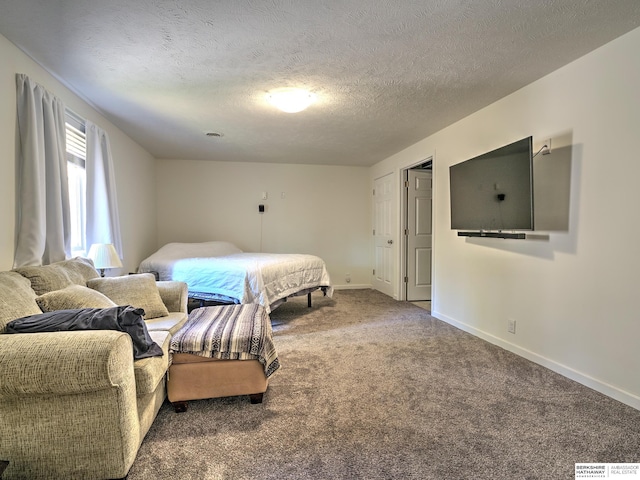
[419, 235]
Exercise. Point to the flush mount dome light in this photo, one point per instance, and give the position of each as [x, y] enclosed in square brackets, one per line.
[291, 100]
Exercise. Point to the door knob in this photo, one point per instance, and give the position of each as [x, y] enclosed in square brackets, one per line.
[390, 242]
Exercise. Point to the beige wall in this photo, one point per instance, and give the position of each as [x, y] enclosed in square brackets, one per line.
[134, 167]
[325, 210]
[574, 296]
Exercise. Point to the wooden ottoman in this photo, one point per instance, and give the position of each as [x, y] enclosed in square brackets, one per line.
[222, 351]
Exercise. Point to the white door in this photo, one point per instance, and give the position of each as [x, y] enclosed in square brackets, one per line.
[419, 235]
[382, 234]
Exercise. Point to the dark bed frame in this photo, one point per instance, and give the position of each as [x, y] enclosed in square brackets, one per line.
[205, 300]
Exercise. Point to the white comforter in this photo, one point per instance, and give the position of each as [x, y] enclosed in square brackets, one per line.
[221, 269]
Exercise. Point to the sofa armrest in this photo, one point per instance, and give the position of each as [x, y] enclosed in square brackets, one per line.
[174, 295]
[57, 390]
[61, 363]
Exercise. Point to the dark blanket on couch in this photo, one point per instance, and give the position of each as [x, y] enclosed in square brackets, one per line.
[122, 318]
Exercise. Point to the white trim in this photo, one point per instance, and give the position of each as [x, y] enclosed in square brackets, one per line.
[77, 120]
[402, 264]
[352, 286]
[582, 378]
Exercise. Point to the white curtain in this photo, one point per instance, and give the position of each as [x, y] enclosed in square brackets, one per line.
[43, 228]
[102, 221]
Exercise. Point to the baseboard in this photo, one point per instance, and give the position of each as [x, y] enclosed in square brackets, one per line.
[351, 286]
[584, 379]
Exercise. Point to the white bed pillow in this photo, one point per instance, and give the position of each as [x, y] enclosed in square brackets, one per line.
[173, 251]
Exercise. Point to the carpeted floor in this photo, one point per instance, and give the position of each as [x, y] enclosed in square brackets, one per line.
[371, 388]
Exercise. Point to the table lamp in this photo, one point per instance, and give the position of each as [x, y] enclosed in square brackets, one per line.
[104, 256]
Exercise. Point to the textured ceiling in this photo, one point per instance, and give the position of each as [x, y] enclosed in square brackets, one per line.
[387, 73]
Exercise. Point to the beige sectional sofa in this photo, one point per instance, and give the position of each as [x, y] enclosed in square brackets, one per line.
[75, 404]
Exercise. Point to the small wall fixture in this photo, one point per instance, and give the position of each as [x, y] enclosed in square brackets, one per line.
[291, 100]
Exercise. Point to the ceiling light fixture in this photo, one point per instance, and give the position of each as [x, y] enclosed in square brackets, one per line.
[291, 100]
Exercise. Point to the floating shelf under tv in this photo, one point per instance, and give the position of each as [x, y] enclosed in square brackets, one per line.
[517, 235]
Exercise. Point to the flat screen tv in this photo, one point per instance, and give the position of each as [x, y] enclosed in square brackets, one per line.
[494, 191]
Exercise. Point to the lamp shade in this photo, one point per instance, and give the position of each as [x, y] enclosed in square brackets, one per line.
[104, 255]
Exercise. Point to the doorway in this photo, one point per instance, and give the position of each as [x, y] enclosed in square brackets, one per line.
[418, 232]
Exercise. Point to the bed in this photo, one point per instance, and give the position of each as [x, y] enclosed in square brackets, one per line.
[220, 272]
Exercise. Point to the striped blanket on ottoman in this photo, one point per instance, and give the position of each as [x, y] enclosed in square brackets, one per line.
[229, 332]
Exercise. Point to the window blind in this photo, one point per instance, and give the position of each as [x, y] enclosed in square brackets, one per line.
[76, 140]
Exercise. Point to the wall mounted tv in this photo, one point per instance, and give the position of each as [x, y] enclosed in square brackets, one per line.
[493, 192]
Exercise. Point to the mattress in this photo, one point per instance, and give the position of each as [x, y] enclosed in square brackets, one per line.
[221, 271]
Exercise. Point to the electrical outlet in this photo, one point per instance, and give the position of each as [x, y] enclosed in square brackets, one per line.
[547, 149]
[347, 277]
[511, 328]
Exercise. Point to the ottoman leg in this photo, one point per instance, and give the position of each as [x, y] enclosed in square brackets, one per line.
[180, 407]
[256, 398]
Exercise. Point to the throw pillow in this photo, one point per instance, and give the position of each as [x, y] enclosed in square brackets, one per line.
[17, 299]
[138, 290]
[73, 296]
[58, 275]
[123, 319]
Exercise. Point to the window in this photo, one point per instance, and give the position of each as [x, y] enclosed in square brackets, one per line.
[76, 172]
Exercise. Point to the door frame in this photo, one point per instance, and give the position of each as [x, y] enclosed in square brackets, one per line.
[403, 251]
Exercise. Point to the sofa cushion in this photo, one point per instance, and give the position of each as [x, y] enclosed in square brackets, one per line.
[59, 275]
[71, 297]
[17, 299]
[150, 371]
[138, 290]
[169, 323]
